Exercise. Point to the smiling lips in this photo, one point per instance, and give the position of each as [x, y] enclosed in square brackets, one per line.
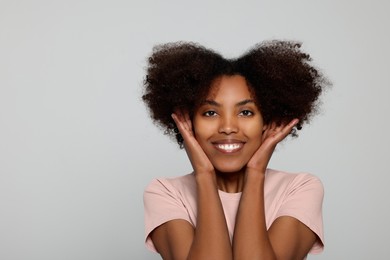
[228, 147]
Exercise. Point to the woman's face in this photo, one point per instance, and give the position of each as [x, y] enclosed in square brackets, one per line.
[228, 125]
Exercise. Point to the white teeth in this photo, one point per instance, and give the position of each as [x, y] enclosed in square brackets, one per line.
[228, 147]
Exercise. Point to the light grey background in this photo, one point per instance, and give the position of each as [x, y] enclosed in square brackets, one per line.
[77, 147]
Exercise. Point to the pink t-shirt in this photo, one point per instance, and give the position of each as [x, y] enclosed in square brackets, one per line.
[286, 194]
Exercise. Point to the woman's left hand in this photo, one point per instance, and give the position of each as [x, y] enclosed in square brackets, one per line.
[271, 137]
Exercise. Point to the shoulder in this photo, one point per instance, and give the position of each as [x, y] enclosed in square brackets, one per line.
[288, 181]
[298, 195]
[177, 185]
[293, 192]
[170, 194]
[283, 175]
[166, 199]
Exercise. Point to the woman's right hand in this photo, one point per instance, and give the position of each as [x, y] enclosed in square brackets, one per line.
[199, 160]
[210, 238]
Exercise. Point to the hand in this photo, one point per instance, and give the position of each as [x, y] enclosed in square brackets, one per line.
[199, 160]
[271, 137]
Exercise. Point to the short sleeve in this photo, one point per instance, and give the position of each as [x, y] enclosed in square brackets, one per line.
[161, 204]
[304, 202]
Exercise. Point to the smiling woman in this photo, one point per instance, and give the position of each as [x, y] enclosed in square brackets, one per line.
[229, 126]
[230, 115]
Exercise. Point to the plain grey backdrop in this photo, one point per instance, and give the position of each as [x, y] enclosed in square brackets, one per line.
[77, 147]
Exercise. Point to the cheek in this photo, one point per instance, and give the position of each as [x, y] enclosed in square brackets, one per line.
[202, 133]
[254, 130]
[201, 130]
[256, 135]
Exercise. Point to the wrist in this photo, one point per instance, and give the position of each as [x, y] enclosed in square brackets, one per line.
[256, 172]
[205, 177]
[254, 176]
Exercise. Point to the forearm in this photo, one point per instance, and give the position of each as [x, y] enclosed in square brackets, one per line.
[251, 239]
[211, 239]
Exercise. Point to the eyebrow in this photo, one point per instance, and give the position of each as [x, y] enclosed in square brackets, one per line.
[214, 103]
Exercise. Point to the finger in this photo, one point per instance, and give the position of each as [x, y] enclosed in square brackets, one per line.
[182, 125]
[176, 119]
[277, 133]
[178, 116]
[269, 131]
[285, 130]
[183, 118]
[288, 128]
[187, 120]
[179, 122]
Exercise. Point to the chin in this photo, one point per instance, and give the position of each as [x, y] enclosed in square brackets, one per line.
[229, 168]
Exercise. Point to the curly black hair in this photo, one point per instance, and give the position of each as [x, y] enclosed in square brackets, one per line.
[285, 84]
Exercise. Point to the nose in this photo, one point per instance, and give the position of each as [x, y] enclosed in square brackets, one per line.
[228, 125]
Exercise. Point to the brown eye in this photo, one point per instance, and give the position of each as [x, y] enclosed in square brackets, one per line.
[246, 113]
[210, 113]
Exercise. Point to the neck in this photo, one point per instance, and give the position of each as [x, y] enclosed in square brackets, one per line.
[231, 182]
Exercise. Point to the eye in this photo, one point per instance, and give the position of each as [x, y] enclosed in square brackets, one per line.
[210, 113]
[246, 113]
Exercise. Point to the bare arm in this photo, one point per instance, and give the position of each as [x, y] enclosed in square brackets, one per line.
[177, 239]
[287, 238]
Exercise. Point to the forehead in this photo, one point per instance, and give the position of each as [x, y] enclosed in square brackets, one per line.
[233, 86]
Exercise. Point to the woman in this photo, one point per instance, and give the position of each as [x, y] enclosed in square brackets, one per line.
[230, 115]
